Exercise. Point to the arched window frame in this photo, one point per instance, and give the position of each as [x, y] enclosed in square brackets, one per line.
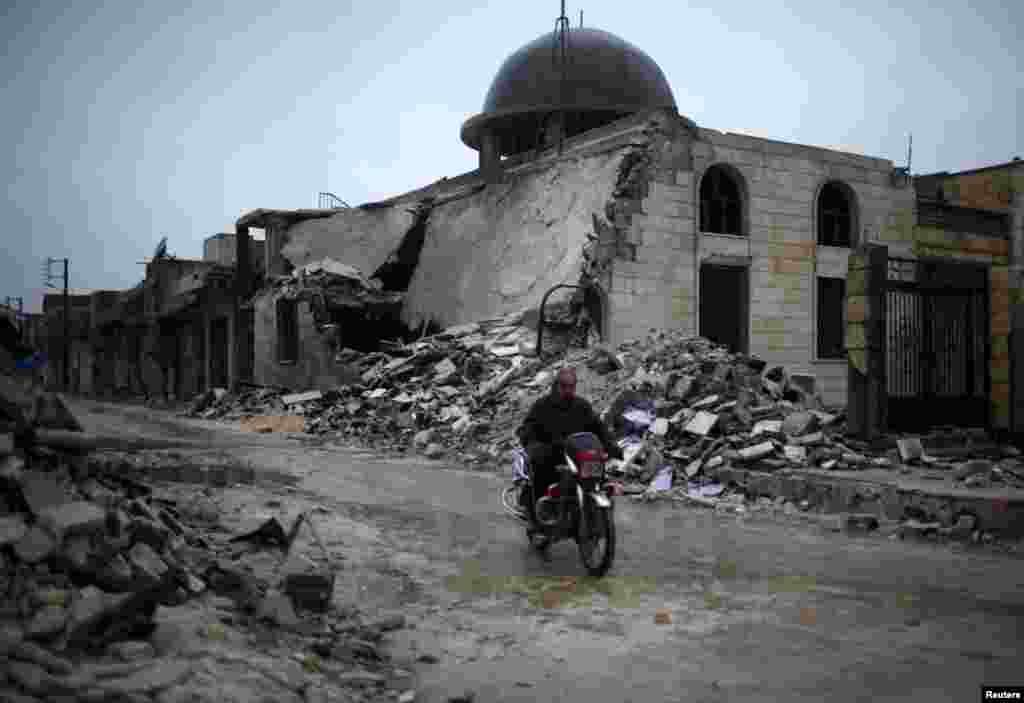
[721, 212]
[836, 226]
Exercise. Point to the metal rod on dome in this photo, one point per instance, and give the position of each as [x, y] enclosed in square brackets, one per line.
[563, 28]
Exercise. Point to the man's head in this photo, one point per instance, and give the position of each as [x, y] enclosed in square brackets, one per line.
[565, 383]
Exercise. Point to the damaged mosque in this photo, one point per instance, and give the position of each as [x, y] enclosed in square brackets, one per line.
[588, 174]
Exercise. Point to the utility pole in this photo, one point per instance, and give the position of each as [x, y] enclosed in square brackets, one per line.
[9, 302]
[67, 318]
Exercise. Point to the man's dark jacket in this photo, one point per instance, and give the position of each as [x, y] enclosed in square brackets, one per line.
[551, 420]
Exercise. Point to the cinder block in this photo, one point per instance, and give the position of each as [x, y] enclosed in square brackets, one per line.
[778, 264]
[857, 308]
[1000, 324]
[1000, 393]
[1000, 371]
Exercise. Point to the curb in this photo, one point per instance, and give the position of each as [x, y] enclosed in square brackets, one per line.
[889, 501]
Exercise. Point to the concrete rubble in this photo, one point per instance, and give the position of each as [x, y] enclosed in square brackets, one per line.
[690, 415]
[95, 567]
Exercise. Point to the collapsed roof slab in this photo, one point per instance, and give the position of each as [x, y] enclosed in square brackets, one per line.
[497, 251]
[360, 237]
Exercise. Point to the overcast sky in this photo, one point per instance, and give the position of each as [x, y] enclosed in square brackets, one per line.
[126, 121]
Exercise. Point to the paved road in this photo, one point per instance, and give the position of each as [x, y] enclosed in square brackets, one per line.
[761, 609]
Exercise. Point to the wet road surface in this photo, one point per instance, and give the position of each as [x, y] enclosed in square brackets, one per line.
[760, 608]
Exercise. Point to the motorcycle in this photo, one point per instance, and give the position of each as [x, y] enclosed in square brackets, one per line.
[578, 506]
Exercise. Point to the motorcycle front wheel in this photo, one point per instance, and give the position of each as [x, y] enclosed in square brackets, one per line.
[597, 551]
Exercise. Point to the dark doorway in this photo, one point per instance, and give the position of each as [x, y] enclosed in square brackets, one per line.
[219, 353]
[937, 345]
[724, 305]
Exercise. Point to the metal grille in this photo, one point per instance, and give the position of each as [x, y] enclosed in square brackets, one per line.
[936, 344]
[903, 375]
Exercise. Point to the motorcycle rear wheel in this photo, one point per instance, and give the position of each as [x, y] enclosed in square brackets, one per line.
[602, 532]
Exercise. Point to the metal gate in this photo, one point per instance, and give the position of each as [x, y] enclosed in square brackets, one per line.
[937, 344]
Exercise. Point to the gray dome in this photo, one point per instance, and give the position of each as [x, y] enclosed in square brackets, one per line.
[607, 78]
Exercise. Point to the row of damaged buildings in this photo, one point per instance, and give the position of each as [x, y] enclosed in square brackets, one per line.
[590, 175]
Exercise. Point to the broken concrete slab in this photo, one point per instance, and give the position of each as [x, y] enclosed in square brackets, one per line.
[297, 398]
[702, 423]
[706, 402]
[162, 674]
[757, 451]
[910, 448]
[444, 369]
[973, 467]
[461, 330]
[799, 423]
[424, 437]
[276, 607]
[12, 529]
[131, 650]
[37, 545]
[77, 518]
[809, 439]
[147, 562]
[41, 491]
[34, 653]
[47, 623]
[796, 454]
[762, 426]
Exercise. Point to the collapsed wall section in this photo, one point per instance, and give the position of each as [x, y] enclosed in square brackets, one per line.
[362, 237]
[498, 250]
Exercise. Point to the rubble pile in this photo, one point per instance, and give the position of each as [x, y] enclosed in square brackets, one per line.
[95, 566]
[683, 408]
[89, 560]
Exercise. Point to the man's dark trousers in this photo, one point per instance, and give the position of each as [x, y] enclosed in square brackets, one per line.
[542, 458]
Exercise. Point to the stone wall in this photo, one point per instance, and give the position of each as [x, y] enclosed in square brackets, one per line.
[779, 183]
[488, 251]
[499, 250]
[905, 239]
[315, 368]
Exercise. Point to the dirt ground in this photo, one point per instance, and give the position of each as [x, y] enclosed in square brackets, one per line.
[699, 606]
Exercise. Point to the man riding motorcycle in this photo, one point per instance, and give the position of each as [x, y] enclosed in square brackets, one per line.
[550, 421]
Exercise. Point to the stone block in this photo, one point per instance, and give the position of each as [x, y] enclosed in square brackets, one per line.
[12, 530]
[277, 608]
[149, 532]
[131, 650]
[147, 562]
[162, 674]
[47, 623]
[42, 491]
[77, 518]
[37, 545]
[36, 654]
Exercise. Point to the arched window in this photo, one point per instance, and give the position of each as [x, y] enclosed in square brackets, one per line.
[835, 215]
[721, 204]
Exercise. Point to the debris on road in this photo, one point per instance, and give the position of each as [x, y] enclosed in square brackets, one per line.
[93, 564]
[682, 407]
